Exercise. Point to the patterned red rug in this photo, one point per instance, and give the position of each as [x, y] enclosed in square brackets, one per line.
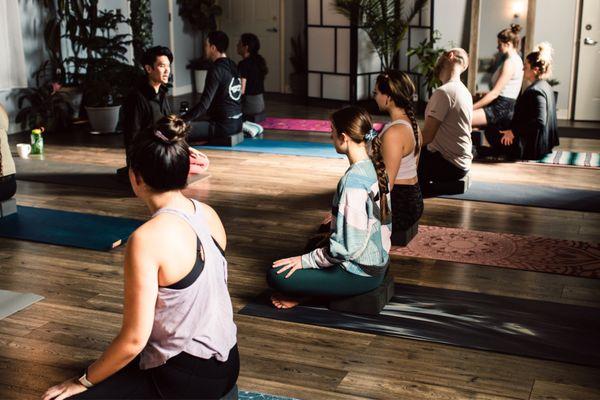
[298, 124]
[531, 253]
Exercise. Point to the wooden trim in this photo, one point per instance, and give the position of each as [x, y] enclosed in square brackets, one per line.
[530, 28]
[282, 46]
[473, 45]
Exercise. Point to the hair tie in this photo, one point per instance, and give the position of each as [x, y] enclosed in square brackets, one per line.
[372, 134]
[161, 136]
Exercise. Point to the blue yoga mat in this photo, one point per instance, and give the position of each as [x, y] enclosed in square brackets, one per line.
[532, 196]
[282, 147]
[86, 231]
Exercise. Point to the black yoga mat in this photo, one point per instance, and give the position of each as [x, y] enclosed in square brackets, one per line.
[86, 175]
[87, 231]
[532, 196]
[500, 324]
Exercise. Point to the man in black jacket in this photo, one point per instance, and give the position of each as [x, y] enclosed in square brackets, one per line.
[148, 102]
[220, 105]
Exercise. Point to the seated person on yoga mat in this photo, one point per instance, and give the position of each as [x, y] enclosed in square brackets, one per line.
[447, 145]
[8, 182]
[148, 102]
[221, 99]
[355, 258]
[533, 130]
[253, 69]
[400, 145]
[495, 108]
[178, 338]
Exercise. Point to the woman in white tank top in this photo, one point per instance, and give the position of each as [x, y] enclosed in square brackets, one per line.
[496, 108]
[400, 142]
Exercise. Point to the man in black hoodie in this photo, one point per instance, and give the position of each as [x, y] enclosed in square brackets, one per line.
[221, 99]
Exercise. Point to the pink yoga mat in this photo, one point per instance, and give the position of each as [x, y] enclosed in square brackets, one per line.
[532, 253]
[297, 124]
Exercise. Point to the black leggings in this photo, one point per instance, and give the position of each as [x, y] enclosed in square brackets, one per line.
[433, 167]
[182, 377]
[407, 206]
[8, 186]
[207, 130]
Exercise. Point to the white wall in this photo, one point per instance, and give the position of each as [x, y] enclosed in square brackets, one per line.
[455, 30]
[549, 15]
[32, 30]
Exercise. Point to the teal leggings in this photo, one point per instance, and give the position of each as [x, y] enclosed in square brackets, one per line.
[330, 282]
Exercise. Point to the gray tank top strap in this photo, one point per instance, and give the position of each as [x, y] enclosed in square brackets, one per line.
[197, 221]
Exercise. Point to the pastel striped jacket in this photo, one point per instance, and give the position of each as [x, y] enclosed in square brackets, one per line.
[360, 242]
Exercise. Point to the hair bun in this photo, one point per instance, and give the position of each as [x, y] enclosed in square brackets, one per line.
[515, 28]
[545, 50]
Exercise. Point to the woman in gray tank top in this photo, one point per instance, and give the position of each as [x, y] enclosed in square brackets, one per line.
[178, 338]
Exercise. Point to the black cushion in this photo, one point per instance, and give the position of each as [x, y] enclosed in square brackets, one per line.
[370, 303]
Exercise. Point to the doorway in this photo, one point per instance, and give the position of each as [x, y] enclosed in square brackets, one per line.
[587, 98]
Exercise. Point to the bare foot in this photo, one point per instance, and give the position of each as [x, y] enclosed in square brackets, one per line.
[283, 302]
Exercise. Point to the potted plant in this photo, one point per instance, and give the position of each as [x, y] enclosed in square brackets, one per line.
[427, 55]
[200, 16]
[298, 78]
[98, 62]
[383, 21]
[43, 106]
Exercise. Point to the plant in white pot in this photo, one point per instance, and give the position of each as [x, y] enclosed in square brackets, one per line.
[200, 16]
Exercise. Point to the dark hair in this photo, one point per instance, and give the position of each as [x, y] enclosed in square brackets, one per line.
[251, 40]
[161, 155]
[356, 123]
[401, 90]
[220, 40]
[511, 35]
[150, 55]
[541, 58]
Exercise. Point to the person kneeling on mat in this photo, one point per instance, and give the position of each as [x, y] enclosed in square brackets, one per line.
[178, 338]
[447, 146]
[355, 258]
[221, 98]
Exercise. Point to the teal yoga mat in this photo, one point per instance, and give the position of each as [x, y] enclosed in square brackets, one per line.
[71, 229]
[282, 147]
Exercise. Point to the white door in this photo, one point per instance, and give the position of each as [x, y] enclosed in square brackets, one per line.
[260, 17]
[587, 103]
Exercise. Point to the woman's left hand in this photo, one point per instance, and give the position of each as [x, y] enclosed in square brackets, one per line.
[292, 264]
[66, 389]
[507, 137]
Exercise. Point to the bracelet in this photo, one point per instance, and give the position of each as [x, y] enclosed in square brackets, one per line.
[84, 380]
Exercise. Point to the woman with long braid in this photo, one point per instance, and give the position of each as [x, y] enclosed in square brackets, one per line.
[399, 142]
[354, 260]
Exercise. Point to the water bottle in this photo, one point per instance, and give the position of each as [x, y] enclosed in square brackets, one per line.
[37, 141]
[184, 107]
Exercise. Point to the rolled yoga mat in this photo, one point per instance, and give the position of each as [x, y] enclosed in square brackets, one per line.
[281, 147]
[86, 231]
[529, 328]
[530, 253]
[11, 302]
[532, 196]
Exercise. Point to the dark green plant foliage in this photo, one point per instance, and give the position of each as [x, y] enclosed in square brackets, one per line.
[199, 16]
[427, 55]
[385, 22]
[298, 56]
[141, 28]
[43, 107]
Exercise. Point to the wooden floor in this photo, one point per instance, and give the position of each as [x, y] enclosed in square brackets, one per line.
[269, 205]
